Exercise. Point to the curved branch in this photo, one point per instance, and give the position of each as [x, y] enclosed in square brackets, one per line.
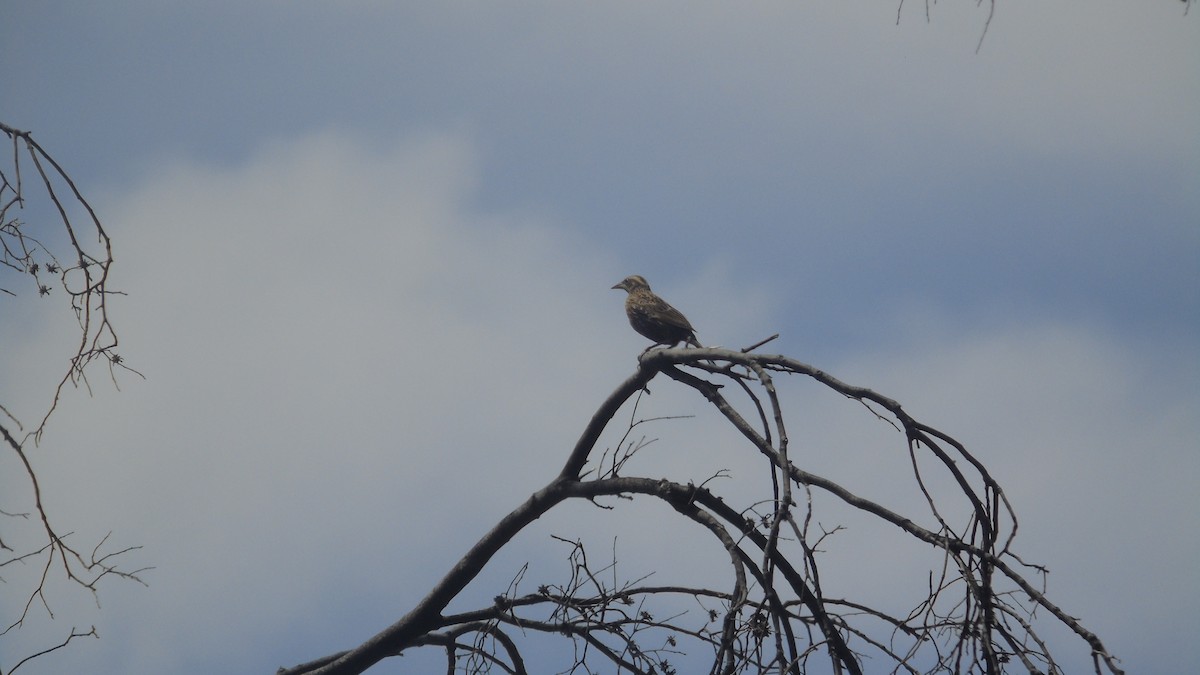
[980, 630]
[83, 278]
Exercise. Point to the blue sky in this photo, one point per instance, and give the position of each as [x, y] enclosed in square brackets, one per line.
[343, 225]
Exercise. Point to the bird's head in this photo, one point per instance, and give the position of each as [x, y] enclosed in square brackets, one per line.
[632, 283]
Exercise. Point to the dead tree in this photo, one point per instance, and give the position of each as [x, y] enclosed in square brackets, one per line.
[63, 257]
[983, 611]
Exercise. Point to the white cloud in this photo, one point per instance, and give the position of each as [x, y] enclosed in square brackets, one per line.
[351, 372]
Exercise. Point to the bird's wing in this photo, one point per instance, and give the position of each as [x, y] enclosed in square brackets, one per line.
[664, 312]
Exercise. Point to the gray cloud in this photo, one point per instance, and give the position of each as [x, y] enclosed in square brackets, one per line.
[363, 271]
[352, 373]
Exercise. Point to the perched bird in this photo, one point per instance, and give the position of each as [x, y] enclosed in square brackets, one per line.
[652, 317]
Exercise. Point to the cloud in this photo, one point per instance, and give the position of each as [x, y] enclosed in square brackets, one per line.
[350, 369]
[353, 370]
[1092, 436]
[363, 346]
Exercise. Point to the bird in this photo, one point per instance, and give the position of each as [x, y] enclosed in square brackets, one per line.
[652, 317]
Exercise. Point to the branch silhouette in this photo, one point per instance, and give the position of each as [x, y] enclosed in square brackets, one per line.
[72, 255]
[771, 615]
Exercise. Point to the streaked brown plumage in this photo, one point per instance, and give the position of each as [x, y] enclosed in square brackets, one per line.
[652, 317]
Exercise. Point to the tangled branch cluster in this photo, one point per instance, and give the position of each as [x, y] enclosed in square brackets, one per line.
[84, 279]
[82, 275]
[772, 614]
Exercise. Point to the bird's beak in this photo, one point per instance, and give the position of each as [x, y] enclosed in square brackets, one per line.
[619, 286]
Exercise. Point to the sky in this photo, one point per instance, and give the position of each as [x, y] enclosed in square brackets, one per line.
[367, 251]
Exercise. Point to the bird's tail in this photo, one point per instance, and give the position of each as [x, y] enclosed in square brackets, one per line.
[691, 340]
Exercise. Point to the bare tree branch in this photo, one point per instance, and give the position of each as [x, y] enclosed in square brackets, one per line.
[772, 616]
[74, 634]
[33, 257]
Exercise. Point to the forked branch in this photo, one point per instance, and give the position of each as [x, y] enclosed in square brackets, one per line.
[771, 613]
[67, 254]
